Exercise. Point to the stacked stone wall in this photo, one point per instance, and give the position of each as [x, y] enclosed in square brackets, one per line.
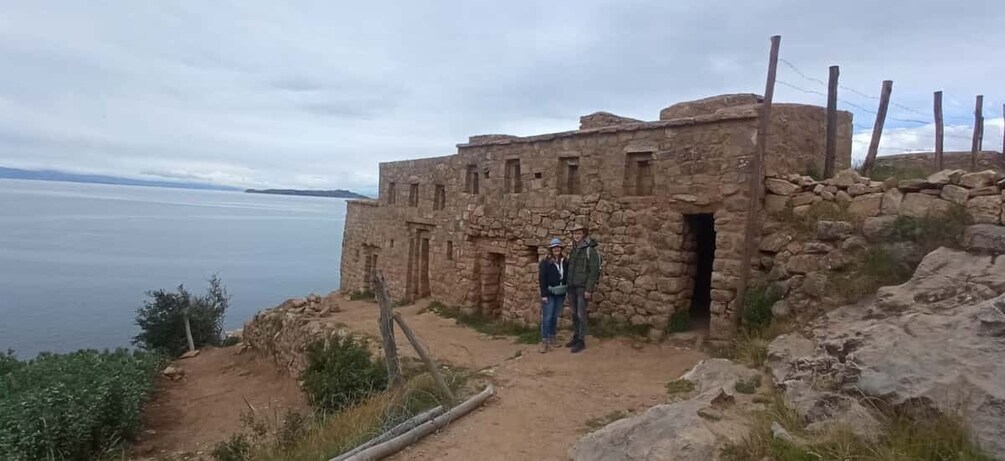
[698, 165]
[283, 333]
[857, 212]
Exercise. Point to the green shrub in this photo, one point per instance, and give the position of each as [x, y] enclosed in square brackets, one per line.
[340, 373]
[680, 321]
[237, 448]
[932, 232]
[757, 304]
[73, 406]
[361, 295]
[162, 325]
[8, 362]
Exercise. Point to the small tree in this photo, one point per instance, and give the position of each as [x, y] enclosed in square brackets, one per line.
[162, 318]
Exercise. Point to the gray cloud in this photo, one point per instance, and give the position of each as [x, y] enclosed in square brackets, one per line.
[315, 94]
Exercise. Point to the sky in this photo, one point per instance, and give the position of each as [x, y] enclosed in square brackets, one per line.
[316, 94]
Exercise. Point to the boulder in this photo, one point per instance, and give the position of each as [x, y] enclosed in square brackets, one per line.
[986, 209]
[803, 264]
[173, 373]
[955, 194]
[935, 341]
[917, 205]
[865, 205]
[987, 190]
[780, 187]
[855, 190]
[940, 177]
[780, 309]
[844, 179]
[711, 375]
[979, 179]
[984, 238]
[891, 201]
[912, 185]
[775, 242]
[842, 198]
[817, 247]
[878, 228]
[855, 243]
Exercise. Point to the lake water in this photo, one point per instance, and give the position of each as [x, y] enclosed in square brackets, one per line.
[77, 259]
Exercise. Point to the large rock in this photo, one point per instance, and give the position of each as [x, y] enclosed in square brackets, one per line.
[955, 194]
[935, 340]
[834, 230]
[845, 178]
[891, 201]
[979, 179]
[780, 186]
[985, 209]
[803, 264]
[923, 205]
[682, 431]
[775, 242]
[878, 228]
[865, 205]
[985, 238]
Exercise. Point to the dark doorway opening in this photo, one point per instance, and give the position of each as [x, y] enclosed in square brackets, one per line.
[700, 238]
[493, 272]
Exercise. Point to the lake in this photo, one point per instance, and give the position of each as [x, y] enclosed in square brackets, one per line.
[77, 259]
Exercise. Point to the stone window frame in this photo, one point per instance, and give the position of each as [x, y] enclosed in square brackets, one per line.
[567, 164]
[450, 250]
[513, 180]
[633, 186]
[413, 194]
[439, 197]
[471, 179]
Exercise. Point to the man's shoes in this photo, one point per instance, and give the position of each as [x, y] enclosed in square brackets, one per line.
[579, 346]
[572, 342]
[544, 347]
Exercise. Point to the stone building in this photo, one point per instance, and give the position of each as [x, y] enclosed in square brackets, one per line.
[665, 199]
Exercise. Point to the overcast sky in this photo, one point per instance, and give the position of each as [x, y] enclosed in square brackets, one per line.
[315, 94]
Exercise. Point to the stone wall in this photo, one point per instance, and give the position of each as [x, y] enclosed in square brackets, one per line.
[443, 225]
[857, 212]
[923, 162]
[284, 332]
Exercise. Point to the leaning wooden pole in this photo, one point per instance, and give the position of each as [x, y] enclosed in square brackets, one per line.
[976, 144]
[830, 152]
[1003, 129]
[394, 432]
[939, 130]
[399, 443]
[387, 331]
[188, 332]
[877, 129]
[755, 182]
[430, 365]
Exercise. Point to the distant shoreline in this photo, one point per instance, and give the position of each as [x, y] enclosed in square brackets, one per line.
[309, 193]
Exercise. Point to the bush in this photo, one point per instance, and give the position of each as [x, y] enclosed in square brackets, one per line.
[74, 406]
[238, 448]
[162, 319]
[8, 362]
[757, 304]
[341, 373]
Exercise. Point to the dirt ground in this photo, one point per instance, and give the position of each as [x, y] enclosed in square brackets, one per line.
[541, 407]
[193, 414]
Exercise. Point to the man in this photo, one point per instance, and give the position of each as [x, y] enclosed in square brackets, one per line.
[584, 269]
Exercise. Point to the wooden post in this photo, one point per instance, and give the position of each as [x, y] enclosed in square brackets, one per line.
[387, 331]
[1003, 129]
[430, 365]
[976, 144]
[877, 129]
[755, 183]
[188, 332]
[832, 102]
[939, 133]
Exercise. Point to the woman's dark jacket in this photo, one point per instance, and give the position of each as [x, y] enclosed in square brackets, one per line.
[548, 274]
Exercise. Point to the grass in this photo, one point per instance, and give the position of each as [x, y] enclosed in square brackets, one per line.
[607, 327]
[491, 326]
[593, 424]
[362, 295]
[679, 388]
[321, 436]
[906, 435]
[680, 321]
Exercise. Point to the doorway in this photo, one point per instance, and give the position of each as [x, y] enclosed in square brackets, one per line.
[699, 239]
[417, 282]
[493, 271]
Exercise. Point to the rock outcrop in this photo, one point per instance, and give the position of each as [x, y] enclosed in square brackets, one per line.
[688, 430]
[937, 341]
[284, 332]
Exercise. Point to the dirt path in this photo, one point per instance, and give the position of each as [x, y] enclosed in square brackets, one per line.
[543, 400]
[193, 414]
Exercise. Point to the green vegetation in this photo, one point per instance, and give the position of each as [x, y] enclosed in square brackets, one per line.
[907, 434]
[491, 326]
[750, 345]
[748, 386]
[162, 325]
[607, 327]
[76, 406]
[757, 304]
[680, 321]
[679, 387]
[341, 373]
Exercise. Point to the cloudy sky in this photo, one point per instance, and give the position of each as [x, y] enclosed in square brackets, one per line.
[315, 94]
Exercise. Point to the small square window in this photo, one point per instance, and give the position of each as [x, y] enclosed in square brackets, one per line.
[450, 250]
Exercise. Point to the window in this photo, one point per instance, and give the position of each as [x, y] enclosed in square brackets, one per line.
[471, 180]
[513, 182]
[639, 174]
[413, 194]
[392, 243]
[450, 250]
[392, 193]
[568, 175]
[439, 197]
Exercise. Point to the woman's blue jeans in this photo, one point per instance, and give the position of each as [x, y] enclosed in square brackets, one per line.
[550, 311]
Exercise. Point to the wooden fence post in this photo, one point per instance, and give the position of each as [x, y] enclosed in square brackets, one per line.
[975, 145]
[877, 129]
[831, 146]
[188, 332]
[939, 131]
[430, 365]
[1003, 129]
[755, 183]
[387, 331]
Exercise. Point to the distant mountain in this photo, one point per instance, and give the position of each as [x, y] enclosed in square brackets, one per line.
[311, 193]
[49, 175]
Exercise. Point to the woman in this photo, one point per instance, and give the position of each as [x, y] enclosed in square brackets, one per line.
[553, 271]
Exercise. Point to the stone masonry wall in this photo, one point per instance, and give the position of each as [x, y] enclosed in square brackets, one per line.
[798, 265]
[694, 165]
